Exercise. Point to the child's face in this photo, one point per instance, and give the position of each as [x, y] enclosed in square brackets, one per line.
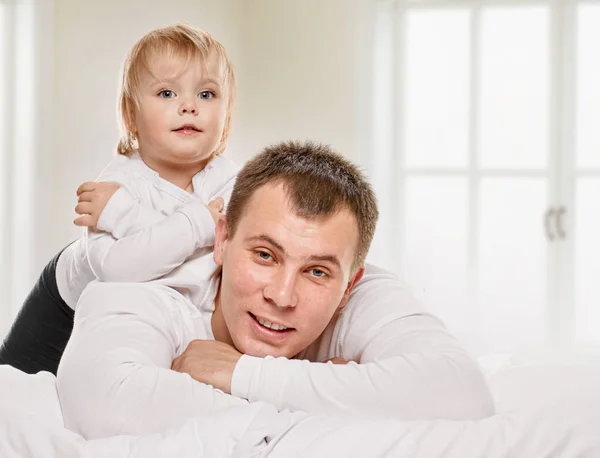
[181, 113]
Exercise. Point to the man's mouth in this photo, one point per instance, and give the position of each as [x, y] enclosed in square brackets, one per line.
[270, 325]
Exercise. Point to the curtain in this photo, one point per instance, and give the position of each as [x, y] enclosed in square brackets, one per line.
[26, 54]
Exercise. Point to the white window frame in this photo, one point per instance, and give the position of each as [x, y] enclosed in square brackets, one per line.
[27, 83]
[387, 163]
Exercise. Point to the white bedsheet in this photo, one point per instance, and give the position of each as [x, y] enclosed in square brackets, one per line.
[544, 411]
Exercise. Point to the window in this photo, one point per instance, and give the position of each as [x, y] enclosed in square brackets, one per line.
[26, 47]
[489, 162]
[5, 76]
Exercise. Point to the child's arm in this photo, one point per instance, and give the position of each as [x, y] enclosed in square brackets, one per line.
[126, 215]
[133, 241]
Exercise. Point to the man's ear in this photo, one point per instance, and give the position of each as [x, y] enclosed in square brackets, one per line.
[351, 284]
[221, 237]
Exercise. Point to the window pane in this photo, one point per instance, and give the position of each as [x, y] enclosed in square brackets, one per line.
[512, 262]
[435, 258]
[514, 87]
[587, 258]
[5, 310]
[588, 86]
[437, 88]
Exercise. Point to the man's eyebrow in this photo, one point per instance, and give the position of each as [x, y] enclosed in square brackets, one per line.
[270, 240]
[326, 258]
[320, 258]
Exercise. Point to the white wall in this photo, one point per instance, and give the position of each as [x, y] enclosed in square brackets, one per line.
[90, 41]
[301, 74]
[306, 73]
[298, 66]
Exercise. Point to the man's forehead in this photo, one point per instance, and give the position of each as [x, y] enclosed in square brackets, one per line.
[271, 209]
[277, 192]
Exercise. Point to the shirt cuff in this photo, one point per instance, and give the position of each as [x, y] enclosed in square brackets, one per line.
[119, 204]
[202, 223]
[241, 379]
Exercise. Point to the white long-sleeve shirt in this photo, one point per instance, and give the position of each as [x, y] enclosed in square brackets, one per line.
[150, 229]
[115, 375]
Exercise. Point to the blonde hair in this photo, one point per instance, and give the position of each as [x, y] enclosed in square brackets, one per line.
[178, 40]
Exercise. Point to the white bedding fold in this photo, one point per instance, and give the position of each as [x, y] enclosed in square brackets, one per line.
[560, 423]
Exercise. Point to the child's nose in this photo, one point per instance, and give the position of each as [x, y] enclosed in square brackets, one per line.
[188, 108]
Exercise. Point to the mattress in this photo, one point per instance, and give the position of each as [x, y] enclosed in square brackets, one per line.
[542, 410]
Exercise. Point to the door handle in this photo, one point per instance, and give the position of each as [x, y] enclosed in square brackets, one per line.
[559, 226]
[547, 218]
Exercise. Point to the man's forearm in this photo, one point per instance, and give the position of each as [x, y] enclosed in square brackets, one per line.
[114, 377]
[408, 387]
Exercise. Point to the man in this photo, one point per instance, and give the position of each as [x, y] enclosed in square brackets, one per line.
[289, 292]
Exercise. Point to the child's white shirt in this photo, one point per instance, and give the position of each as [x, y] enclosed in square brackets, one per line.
[150, 230]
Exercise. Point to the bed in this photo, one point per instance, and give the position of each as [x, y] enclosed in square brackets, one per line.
[545, 408]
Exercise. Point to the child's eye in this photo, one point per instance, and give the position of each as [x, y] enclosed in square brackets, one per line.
[166, 94]
[206, 95]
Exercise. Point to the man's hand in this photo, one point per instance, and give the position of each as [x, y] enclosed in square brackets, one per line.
[93, 197]
[337, 360]
[215, 208]
[210, 362]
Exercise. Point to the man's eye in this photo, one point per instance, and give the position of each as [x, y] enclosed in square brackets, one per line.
[206, 95]
[265, 256]
[166, 94]
[318, 273]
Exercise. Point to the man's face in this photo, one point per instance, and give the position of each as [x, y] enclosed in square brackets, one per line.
[283, 276]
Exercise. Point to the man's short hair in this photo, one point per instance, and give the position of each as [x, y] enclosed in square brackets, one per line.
[318, 181]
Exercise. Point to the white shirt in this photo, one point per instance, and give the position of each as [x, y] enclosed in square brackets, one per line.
[147, 230]
[115, 375]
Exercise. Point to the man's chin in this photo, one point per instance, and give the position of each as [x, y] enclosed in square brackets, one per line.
[261, 352]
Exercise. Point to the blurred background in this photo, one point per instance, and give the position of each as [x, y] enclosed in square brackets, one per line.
[478, 122]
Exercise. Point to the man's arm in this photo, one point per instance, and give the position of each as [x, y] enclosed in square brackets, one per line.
[423, 384]
[115, 378]
[404, 364]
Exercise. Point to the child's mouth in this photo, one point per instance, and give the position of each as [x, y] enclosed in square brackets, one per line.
[187, 129]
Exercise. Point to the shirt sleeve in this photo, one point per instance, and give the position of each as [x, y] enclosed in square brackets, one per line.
[135, 242]
[404, 365]
[115, 377]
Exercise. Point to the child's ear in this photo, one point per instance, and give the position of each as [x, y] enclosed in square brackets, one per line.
[221, 238]
[131, 124]
[129, 115]
[351, 284]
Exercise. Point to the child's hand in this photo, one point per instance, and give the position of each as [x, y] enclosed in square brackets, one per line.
[93, 197]
[215, 207]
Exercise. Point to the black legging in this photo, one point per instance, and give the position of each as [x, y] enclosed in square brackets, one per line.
[40, 332]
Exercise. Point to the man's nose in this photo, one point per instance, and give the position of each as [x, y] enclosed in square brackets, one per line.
[188, 107]
[281, 291]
